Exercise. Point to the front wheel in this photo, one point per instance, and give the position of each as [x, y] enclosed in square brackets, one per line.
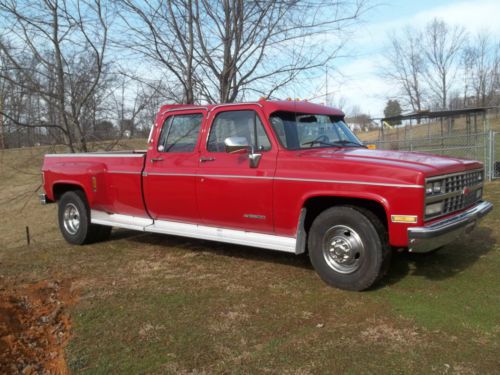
[348, 247]
[74, 220]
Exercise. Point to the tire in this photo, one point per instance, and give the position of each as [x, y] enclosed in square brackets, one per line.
[348, 247]
[74, 220]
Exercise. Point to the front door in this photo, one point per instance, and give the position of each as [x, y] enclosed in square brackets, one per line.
[231, 194]
[170, 171]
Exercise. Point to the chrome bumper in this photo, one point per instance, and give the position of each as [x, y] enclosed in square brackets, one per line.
[440, 233]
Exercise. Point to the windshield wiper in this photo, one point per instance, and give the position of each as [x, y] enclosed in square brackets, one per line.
[334, 144]
[318, 142]
[345, 142]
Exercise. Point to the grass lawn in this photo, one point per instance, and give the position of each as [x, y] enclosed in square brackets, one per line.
[146, 303]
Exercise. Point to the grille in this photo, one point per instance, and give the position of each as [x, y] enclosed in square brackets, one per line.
[460, 191]
[459, 181]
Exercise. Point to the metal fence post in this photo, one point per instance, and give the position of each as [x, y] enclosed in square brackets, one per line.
[493, 136]
[491, 162]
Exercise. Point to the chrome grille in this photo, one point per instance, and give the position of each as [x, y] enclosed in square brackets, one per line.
[458, 191]
[458, 182]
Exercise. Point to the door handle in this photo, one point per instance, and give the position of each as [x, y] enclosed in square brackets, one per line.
[156, 159]
[205, 158]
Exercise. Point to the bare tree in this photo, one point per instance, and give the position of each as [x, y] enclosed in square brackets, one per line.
[406, 67]
[218, 49]
[481, 61]
[163, 32]
[442, 47]
[68, 40]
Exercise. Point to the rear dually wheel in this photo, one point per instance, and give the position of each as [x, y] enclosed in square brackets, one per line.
[74, 220]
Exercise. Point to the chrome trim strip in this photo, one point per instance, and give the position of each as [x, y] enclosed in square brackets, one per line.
[235, 104]
[123, 172]
[240, 237]
[94, 155]
[439, 177]
[349, 182]
[194, 109]
[119, 221]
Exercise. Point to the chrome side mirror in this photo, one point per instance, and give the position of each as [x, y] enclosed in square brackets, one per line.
[237, 144]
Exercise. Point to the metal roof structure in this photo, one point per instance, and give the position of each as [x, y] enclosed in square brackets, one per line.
[436, 114]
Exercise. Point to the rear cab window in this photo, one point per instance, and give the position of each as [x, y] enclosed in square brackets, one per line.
[180, 133]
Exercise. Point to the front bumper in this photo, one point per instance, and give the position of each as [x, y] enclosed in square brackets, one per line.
[440, 233]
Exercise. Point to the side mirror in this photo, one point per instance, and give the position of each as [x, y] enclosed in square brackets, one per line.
[236, 144]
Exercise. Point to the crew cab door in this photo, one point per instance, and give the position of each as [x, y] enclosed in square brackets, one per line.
[170, 170]
[231, 193]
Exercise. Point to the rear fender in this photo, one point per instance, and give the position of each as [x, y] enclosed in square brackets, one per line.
[65, 176]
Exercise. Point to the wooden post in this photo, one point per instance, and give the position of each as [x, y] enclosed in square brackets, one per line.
[28, 239]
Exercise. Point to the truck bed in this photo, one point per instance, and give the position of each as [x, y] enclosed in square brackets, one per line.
[112, 181]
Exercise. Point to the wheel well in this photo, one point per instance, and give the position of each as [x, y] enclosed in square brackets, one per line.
[316, 205]
[60, 189]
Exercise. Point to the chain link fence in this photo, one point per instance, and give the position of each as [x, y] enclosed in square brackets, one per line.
[484, 147]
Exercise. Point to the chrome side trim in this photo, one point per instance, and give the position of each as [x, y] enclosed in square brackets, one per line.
[93, 155]
[240, 237]
[123, 172]
[442, 232]
[119, 221]
[194, 109]
[349, 182]
[234, 105]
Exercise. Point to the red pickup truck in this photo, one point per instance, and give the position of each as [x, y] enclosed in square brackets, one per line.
[280, 175]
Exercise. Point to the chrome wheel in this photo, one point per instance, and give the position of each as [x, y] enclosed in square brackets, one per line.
[343, 249]
[71, 219]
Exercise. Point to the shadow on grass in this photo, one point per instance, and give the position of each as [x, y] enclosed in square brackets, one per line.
[213, 247]
[444, 263]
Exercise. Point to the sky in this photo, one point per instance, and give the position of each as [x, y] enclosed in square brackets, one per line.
[356, 81]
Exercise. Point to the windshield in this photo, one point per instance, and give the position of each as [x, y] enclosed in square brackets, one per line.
[301, 130]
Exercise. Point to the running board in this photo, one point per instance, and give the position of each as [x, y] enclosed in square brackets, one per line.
[239, 237]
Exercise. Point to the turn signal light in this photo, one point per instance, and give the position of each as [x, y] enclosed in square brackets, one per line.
[404, 218]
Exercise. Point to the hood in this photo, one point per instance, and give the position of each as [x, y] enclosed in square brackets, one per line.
[429, 164]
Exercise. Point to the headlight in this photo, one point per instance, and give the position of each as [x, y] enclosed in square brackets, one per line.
[434, 188]
[434, 209]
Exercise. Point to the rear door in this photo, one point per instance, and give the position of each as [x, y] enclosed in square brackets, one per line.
[231, 194]
[170, 171]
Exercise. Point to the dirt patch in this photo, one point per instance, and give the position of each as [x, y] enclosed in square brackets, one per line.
[386, 333]
[35, 327]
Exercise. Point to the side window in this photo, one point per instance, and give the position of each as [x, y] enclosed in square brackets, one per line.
[237, 124]
[180, 133]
